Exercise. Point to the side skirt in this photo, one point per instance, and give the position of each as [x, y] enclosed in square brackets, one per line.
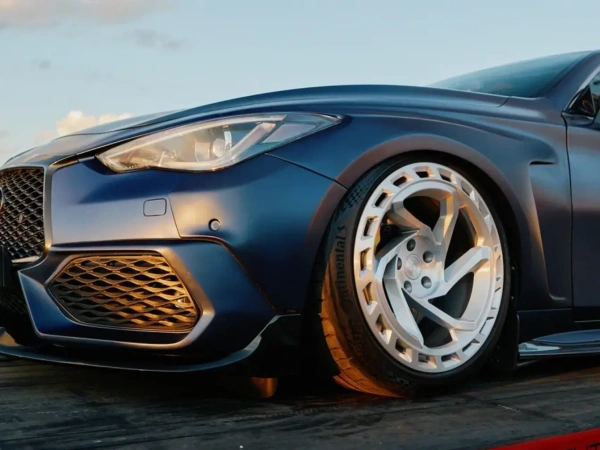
[574, 343]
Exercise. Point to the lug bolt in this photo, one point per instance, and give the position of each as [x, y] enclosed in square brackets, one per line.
[408, 286]
[427, 257]
[398, 264]
[426, 282]
[411, 245]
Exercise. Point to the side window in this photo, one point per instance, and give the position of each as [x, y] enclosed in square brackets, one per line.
[595, 94]
[588, 103]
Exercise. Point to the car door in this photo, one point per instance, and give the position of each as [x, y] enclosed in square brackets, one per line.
[583, 143]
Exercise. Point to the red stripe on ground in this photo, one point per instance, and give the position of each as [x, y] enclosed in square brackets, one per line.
[582, 440]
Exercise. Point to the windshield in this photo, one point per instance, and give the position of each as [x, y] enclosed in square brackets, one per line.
[530, 79]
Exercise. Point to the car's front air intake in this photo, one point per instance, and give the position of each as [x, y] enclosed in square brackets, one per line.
[12, 303]
[22, 212]
[131, 291]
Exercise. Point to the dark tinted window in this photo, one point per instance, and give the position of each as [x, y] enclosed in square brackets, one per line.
[595, 88]
[532, 78]
[589, 101]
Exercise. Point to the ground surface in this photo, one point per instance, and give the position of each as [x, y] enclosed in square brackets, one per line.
[47, 406]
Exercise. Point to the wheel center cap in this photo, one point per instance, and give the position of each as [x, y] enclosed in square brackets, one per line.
[412, 267]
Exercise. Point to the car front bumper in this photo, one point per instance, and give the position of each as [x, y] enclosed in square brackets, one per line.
[247, 277]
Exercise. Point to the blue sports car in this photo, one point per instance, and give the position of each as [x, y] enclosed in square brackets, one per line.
[398, 239]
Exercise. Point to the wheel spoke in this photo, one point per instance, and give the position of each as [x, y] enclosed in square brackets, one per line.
[467, 263]
[442, 232]
[404, 218]
[403, 313]
[440, 317]
[387, 254]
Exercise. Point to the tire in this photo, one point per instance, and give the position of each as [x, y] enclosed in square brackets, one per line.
[349, 346]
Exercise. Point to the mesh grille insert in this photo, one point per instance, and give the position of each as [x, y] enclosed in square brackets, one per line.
[22, 212]
[139, 292]
[12, 302]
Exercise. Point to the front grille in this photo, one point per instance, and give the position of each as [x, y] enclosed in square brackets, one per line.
[135, 292]
[22, 212]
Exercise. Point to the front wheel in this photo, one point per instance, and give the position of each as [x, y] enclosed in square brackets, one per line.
[415, 281]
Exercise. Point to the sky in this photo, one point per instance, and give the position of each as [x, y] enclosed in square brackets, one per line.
[66, 65]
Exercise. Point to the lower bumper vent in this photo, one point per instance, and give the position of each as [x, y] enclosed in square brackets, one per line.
[12, 303]
[133, 292]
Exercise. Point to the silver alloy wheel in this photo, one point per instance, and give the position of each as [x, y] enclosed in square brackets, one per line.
[399, 284]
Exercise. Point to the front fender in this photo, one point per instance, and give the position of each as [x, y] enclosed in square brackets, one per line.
[523, 162]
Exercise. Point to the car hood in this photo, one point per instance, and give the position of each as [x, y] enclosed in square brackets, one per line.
[351, 99]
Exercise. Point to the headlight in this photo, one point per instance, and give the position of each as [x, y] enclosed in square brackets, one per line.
[213, 144]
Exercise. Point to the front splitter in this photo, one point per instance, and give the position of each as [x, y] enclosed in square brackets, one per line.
[107, 360]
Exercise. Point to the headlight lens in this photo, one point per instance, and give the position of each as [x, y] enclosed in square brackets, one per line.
[213, 144]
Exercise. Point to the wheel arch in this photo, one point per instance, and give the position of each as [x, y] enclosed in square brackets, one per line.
[443, 150]
[447, 151]
[481, 171]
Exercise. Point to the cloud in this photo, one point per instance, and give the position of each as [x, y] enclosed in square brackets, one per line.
[121, 10]
[76, 120]
[6, 153]
[23, 13]
[153, 39]
[29, 12]
[42, 64]
[44, 136]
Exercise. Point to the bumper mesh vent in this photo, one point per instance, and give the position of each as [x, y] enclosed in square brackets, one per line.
[22, 212]
[11, 303]
[135, 292]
